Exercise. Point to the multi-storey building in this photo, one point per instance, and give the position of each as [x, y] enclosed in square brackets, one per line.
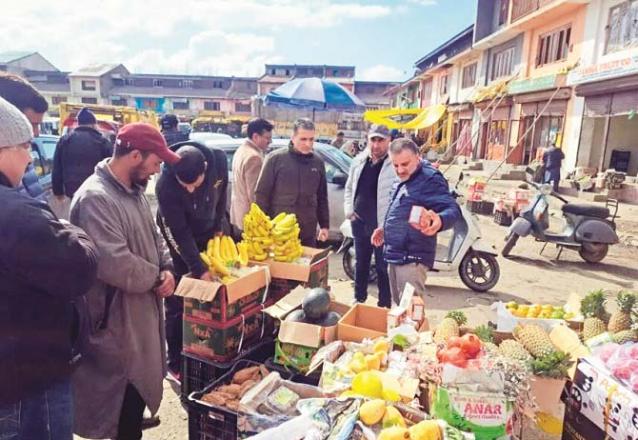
[607, 80]
[278, 74]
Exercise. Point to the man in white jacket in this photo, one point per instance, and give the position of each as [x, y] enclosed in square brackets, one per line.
[366, 200]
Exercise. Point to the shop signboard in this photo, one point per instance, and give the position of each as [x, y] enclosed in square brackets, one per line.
[532, 84]
[608, 70]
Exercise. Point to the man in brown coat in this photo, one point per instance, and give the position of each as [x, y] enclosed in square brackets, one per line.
[247, 163]
[293, 180]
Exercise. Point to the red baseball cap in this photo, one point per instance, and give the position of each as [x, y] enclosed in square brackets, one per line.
[144, 137]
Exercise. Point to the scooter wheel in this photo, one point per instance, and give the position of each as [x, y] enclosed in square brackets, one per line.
[349, 262]
[593, 252]
[479, 271]
[510, 242]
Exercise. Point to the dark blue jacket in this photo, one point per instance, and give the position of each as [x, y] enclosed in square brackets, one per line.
[44, 266]
[427, 188]
[553, 158]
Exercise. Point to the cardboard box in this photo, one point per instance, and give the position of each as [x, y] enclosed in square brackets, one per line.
[576, 426]
[298, 341]
[487, 416]
[363, 321]
[223, 342]
[545, 421]
[303, 272]
[214, 301]
[606, 402]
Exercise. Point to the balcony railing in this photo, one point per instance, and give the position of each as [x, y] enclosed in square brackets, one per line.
[521, 8]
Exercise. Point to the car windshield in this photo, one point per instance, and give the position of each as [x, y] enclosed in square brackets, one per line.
[48, 148]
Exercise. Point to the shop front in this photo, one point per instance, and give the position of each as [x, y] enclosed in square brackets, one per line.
[495, 129]
[542, 119]
[609, 133]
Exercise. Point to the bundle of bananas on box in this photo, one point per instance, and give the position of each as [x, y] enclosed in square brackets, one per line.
[257, 236]
[223, 257]
[285, 232]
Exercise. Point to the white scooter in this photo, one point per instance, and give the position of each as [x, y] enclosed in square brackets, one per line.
[473, 258]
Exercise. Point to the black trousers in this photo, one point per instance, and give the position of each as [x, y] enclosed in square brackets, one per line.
[130, 424]
[363, 248]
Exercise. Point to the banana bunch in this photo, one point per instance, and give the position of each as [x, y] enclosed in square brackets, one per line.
[257, 233]
[285, 232]
[222, 255]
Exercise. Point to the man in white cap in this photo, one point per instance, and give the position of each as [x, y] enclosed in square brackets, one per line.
[44, 266]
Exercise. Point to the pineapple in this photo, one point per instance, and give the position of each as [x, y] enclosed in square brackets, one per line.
[485, 333]
[490, 347]
[535, 340]
[449, 326]
[625, 336]
[621, 319]
[593, 309]
[512, 349]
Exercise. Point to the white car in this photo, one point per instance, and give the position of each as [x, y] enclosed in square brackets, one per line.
[205, 136]
[337, 167]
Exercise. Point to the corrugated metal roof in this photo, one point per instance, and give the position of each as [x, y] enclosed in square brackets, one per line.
[13, 55]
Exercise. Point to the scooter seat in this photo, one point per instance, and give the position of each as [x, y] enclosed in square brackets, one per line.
[586, 210]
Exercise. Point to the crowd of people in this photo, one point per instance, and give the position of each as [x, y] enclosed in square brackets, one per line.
[89, 325]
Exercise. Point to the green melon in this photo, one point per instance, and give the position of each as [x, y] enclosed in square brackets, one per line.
[296, 316]
[331, 318]
[316, 303]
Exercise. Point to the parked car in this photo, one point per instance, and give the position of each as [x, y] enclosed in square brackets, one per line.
[42, 151]
[205, 136]
[337, 166]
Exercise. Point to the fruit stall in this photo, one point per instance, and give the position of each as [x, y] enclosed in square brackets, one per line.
[270, 354]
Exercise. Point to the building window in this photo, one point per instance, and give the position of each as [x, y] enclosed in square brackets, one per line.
[179, 105]
[157, 83]
[88, 85]
[185, 84]
[622, 28]
[121, 101]
[211, 105]
[287, 72]
[129, 82]
[89, 100]
[468, 76]
[58, 99]
[553, 47]
[218, 84]
[503, 9]
[443, 85]
[242, 108]
[335, 72]
[502, 63]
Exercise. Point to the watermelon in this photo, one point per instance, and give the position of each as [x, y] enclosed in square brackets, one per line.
[296, 316]
[316, 303]
[330, 319]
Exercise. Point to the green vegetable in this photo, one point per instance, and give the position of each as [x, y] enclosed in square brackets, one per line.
[554, 365]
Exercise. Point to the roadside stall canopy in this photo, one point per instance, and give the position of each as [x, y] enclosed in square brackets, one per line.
[417, 118]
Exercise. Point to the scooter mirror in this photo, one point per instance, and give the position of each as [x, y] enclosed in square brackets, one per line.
[461, 176]
[529, 172]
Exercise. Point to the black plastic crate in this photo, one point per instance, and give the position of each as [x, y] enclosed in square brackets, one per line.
[211, 422]
[198, 372]
[480, 207]
[295, 375]
[502, 218]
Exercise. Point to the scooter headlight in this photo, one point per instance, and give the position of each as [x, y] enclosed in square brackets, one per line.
[545, 189]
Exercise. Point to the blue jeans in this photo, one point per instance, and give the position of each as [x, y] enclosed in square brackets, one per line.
[363, 248]
[45, 416]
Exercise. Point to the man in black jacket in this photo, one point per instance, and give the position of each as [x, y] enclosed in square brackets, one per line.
[77, 154]
[192, 209]
[293, 180]
[44, 266]
[170, 131]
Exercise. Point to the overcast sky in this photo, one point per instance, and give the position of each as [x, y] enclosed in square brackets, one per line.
[382, 39]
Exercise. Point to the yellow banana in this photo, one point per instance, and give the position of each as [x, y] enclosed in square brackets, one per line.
[205, 258]
[242, 249]
[216, 247]
[219, 267]
[278, 218]
[232, 248]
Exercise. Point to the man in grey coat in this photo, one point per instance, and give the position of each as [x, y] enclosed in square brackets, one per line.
[125, 353]
[366, 200]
